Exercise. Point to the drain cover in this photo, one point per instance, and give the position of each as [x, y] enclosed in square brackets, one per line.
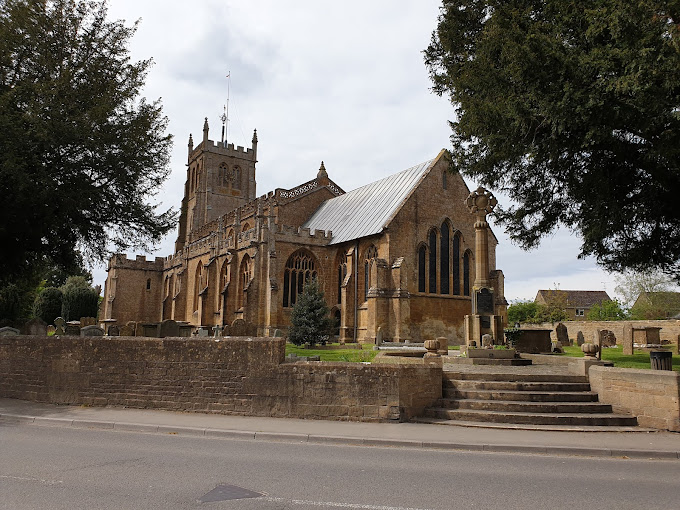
[228, 492]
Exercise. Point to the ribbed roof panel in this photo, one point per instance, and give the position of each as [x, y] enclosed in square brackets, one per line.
[365, 211]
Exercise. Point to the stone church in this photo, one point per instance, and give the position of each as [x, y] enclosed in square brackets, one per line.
[395, 258]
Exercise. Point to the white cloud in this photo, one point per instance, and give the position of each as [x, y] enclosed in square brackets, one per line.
[342, 82]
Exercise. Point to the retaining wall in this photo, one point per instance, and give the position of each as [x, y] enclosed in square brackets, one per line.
[241, 376]
[670, 329]
[651, 395]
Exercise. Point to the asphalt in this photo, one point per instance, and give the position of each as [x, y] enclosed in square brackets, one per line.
[642, 444]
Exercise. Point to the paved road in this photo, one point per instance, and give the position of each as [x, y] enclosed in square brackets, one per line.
[64, 468]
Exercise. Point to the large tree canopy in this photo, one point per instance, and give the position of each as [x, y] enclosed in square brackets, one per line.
[573, 110]
[80, 153]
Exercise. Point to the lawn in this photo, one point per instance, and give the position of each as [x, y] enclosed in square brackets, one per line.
[639, 359]
[354, 355]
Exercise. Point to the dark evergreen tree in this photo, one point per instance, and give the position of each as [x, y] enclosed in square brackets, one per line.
[47, 305]
[310, 320]
[571, 109]
[80, 151]
[79, 299]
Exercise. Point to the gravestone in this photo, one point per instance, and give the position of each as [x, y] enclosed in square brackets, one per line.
[127, 330]
[608, 338]
[217, 331]
[50, 330]
[7, 331]
[35, 327]
[72, 328]
[202, 332]
[580, 340]
[168, 327]
[59, 326]
[628, 339]
[487, 340]
[114, 330]
[277, 333]
[91, 330]
[87, 321]
[562, 334]
[238, 328]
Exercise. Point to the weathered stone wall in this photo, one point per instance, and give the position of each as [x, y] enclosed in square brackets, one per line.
[670, 329]
[651, 395]
[242, 376]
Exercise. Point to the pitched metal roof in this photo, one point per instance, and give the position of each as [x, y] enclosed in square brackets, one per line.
[367, 210]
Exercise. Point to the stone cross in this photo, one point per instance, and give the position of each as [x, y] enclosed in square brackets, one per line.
[481, 202]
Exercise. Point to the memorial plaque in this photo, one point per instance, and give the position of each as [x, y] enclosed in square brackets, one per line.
[485, 302]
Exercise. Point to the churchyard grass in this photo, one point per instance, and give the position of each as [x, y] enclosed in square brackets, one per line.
[353, 355]
[639, 359]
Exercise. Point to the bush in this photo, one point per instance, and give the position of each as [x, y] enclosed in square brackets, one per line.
[47, 306]
[607, 311]
[310, 320]
[79, 299]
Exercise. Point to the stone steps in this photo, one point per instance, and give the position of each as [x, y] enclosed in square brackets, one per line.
[529, 396]
[590, 419]
[533, 386]
[522, 406]
[523, 397]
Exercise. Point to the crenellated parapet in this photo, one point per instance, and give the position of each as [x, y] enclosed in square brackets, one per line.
[120, 261]
[292, 234]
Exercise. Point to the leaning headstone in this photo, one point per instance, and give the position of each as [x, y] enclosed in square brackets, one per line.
[59, 326]
[114, 330]
[72, 328]
[580, 339]
[168, 328]
[35, 327]
[562, 334]
[628, 339]
[87, 321]
[7, 331]
[127, 330]
[91, 330]
[238, 328]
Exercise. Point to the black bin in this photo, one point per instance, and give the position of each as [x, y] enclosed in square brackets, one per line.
[661, 360]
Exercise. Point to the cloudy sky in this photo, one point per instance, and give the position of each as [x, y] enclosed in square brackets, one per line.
[343, 82]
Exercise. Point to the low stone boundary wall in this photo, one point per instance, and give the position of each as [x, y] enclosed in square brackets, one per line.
[651, 395]
[670, 329]
[242, 376]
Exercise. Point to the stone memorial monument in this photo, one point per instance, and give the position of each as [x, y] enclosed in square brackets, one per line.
[482, 320]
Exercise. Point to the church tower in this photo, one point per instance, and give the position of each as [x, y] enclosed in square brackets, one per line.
[220, 178]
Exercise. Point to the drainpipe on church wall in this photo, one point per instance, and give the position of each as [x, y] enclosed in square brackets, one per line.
[356, 289]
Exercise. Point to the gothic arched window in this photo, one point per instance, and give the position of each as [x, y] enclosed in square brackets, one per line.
[198, 284]
[223, 175]
[245, 275]
[444, 259]
[456, 264]
[342, 272]
[300, 268]
[433, 262]
[466, 274]
[369, 260]
[237, 178]
[422, 256]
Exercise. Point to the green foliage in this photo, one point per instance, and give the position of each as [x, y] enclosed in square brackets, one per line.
[571, 109]
[607, 311]
[512, 335]
[80, 151]
[351, 355]
[47, 305]
[639, 359]
[309, 319]
[531, 312]
[79, 299]
[522, 311]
